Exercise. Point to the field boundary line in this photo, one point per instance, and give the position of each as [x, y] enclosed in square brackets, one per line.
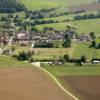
[57, 82]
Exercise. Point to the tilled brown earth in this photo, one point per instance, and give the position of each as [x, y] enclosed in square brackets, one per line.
[85, 87]
[89, 7]
[29, 84]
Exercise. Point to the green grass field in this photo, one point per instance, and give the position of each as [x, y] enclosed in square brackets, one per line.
[66, 70]
[8, 62]
[76, 51]
[83, 49]
[36, 4]
[82, 26]
[47, 53]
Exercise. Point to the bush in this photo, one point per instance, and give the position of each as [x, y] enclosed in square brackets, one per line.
[66, 58]
[83, 59]
[24, 56]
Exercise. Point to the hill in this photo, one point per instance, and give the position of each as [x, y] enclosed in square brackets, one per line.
[37, 4]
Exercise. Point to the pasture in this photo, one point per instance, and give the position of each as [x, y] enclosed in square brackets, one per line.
[82, 26]
[32, 4]
[47, 53]
[9, 62]
[76, 51]
[73, 70]
[83, 49]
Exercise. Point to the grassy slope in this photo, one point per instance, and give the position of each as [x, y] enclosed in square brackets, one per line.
[73, 70]
[79, 2]
[86, 26]
[8, 62]
[36, 4]
[82, 26]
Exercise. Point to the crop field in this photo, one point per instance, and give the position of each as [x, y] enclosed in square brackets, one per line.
[84, 87]
[81, 81]
[28, 84]
[87, 7]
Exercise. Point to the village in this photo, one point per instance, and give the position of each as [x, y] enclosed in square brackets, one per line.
[42, 40]
[24, 38]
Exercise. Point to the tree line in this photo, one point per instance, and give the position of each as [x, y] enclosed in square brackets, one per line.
[87, 16]
[10, 6]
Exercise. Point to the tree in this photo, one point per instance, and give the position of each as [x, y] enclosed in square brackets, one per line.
[67, 42]
[97, 1]
[24, 55]
[92, 35]
[83, 59]
[93, 44]
[66, 58]
[34, 29]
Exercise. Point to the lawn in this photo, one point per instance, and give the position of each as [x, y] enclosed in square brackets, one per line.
[83, 49]
[9, 62]
[47, 53]
[76, 51]
[71, 70]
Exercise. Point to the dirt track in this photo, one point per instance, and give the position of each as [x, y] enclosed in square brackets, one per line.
[29, 84]
[86, 87]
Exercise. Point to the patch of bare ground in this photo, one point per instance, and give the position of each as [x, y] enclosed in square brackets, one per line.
[29, 84]
[89, 7]
[84, 87]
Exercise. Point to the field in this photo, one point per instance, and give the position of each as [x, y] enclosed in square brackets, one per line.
[47, 53]
[81, 81]
[73, 70]
[32, 4]
[85, 87]
[56, 53]
[28, 84]
[22, 81]
[89, 7]
[83, 26]
[83, 49]
[8, 62]
[19, 80]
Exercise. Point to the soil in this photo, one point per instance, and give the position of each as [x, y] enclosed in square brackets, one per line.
[89, 7]
[29, 84]
[84, 87]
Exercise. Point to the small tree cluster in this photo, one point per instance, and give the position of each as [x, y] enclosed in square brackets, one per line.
[24, 55]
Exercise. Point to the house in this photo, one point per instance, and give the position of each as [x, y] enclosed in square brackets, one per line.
[22, 38]
[56, 37]
[70, 34]
[84, 38]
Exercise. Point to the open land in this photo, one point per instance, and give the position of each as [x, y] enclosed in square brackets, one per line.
[28, 84]
[85, 87]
